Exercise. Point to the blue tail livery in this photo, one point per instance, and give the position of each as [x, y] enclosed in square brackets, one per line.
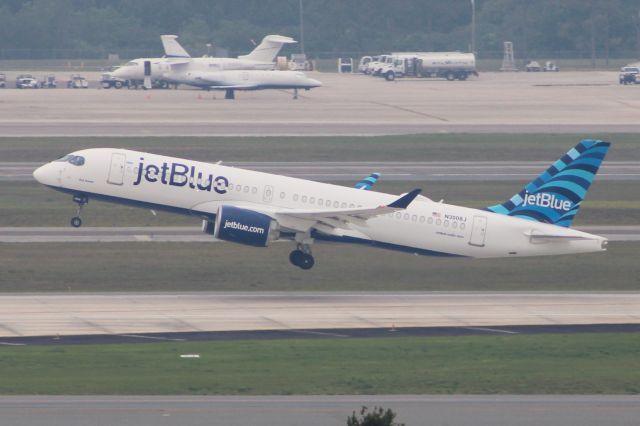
[368, 182]
[556, 195]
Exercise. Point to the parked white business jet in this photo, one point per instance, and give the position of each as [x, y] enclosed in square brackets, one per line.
[177, 62]
[253, 208]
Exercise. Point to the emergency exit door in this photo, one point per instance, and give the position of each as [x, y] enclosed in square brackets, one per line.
[116, 169]
[478, 231]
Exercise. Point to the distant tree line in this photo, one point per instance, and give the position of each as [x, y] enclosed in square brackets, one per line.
[550, 28]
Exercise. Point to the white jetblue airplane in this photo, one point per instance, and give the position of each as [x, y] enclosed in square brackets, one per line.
[254, 208]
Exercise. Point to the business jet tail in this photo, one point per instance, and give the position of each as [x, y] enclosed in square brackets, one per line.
[268, 49]
[556, 195]
[173, 49]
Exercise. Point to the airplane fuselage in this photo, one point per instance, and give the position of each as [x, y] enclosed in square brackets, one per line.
[200, 189]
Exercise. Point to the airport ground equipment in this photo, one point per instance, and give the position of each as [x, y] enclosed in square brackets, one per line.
[3, 81]
[108, 81]
[449, 65]
[629, 75]
[76, 81]
[550, 66]
[533, 66]
[49, 82]
[508, 61]
[345, 65]
[26, 81]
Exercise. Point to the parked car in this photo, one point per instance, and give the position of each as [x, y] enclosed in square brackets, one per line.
[76, 81]
[628, 75]
[3, 81]
[26, 81]
[49, 82]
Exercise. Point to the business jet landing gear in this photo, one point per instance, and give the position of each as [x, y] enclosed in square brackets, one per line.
[230, 94]
[295, 93]
[301, 257]
[80, 200]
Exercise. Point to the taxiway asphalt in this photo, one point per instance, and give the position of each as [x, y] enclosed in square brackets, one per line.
[565, 102]
[317, 410]
[133, 314]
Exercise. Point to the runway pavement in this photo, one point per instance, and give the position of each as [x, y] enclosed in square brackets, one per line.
[316, 410]
[136, 314]
[195, 234]
[391, 170]
[564, 102]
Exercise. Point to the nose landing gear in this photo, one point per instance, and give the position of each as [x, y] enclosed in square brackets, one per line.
[301, 257]
[80, 200]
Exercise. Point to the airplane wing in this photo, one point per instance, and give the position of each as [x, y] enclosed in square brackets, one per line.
[327, 221]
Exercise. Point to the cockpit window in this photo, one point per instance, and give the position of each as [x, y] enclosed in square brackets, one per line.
[76, 160]
[130, 64]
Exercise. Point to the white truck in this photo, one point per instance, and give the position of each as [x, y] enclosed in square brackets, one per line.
[449, 65]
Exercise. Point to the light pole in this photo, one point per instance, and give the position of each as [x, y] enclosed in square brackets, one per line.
[473, 26]
[301, 28]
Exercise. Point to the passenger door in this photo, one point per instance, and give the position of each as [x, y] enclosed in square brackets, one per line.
[478, 231]
[116, 169]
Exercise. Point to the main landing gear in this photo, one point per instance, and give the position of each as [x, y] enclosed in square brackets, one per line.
[80, 200]
[301, 257]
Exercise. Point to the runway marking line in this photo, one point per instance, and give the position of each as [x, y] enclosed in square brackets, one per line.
[139, 336]
[12, 344]
[492, 330]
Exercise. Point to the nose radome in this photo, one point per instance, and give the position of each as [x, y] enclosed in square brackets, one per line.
[38, 174]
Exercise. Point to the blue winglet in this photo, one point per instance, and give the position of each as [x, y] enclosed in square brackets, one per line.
[404, 201]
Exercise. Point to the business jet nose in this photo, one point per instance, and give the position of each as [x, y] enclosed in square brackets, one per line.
[44, 174]
[314, 83]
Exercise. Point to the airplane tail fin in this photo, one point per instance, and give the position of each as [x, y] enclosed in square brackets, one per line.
[556, 195]
[368, 182]
[173, 49]
[268, 49]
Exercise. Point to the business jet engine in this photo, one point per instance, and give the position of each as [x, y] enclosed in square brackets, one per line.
[242, 226]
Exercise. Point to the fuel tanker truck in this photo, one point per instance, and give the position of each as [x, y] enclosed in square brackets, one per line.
[449, 65]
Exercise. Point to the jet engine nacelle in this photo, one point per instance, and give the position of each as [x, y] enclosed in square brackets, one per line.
[243, 226]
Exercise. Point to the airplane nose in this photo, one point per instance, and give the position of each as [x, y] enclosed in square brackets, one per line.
[314, 83]
[44, 174]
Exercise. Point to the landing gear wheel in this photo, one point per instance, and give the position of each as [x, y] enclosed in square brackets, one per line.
[306, 261]
[295, 256]
[76, 222]
[301, 259]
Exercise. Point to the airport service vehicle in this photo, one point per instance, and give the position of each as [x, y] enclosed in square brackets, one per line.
[628, 75]
[376, 64]
[76, 81]
[449, 65]
[26, 81]
[364, 64]
[533, 66]
[255, 209]
[550, 67]
[3, 81]
[171, 69]
[49, 82]
[108, 81]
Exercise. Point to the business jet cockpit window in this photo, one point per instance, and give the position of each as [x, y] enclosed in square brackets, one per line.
[76, 160]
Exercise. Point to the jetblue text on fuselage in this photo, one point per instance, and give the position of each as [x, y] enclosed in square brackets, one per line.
[544, 199]
[178, 174]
